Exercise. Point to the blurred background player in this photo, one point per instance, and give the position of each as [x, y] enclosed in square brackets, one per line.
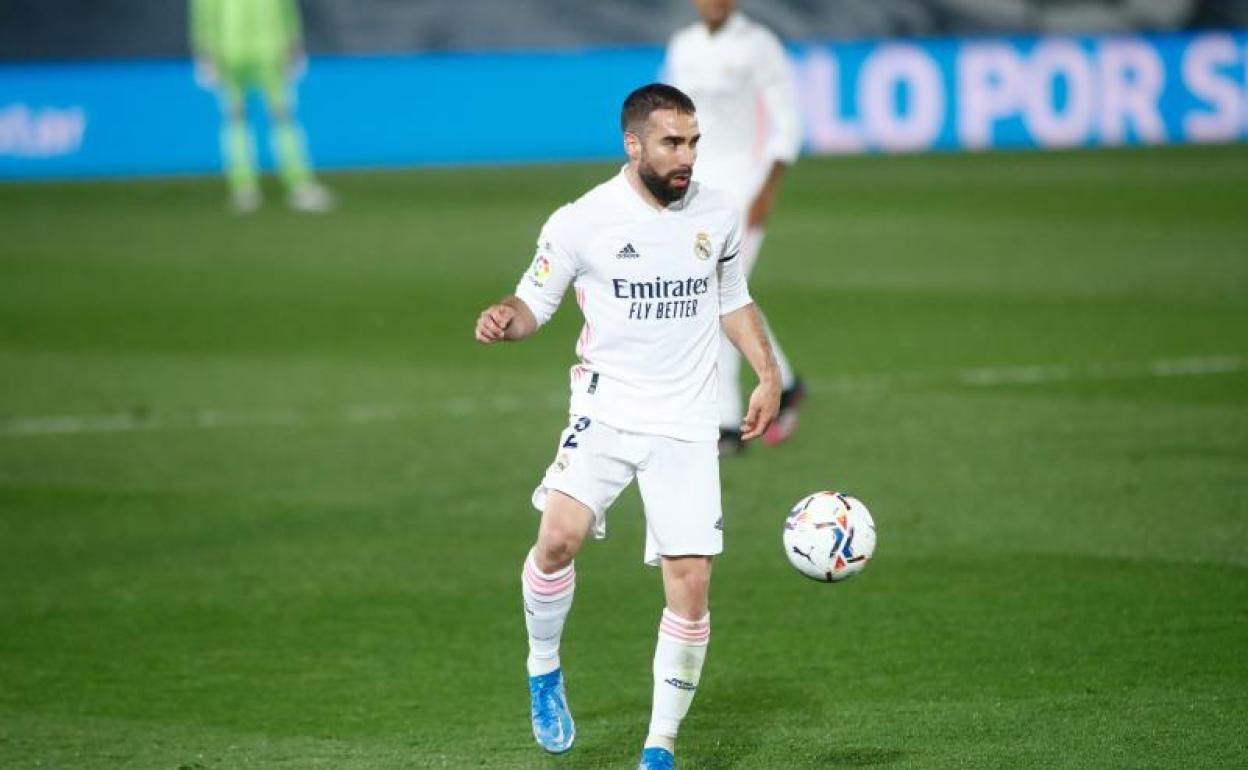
[738, 76]
[244, 44]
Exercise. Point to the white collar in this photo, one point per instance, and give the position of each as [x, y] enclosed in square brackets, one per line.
[732, 24]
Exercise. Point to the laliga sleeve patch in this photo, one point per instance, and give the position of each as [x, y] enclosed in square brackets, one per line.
[540, 270]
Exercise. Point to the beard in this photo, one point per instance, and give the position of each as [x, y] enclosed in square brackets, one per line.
[661, 186]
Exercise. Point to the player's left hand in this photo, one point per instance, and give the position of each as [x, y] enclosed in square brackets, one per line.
[764, 404]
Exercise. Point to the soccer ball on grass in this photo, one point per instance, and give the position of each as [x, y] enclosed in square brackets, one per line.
[829, 536]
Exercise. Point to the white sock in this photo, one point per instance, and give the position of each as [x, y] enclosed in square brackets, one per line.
[678, 658]
[547, 601]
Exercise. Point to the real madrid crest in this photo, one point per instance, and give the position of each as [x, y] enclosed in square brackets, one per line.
[702, 247]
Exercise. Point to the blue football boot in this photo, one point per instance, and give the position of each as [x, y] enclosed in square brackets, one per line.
[655, 758]
[548, 705]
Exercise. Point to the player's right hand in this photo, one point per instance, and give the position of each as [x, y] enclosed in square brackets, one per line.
[493, 322]
[205, 72]
[762, 409]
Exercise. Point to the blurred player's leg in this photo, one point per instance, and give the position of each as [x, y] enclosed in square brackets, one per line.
[731, 401]
[549, 583]
[684, 633]
[303, 192]
[731, 411]
[238, 147]
[751, 245]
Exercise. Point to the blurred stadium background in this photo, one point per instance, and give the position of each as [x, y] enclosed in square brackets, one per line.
[263, 502]
[104, 88]
[72, 29]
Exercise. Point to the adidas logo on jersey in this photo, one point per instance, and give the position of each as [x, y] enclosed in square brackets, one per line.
[628, 252]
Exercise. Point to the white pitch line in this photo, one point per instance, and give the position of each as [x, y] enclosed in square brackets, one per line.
[356, 414]
[352, 414]
[1170, 367]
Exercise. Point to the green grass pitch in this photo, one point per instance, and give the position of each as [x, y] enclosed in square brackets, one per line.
[263, 501]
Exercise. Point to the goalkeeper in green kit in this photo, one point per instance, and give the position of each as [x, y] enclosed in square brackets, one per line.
[243, 44]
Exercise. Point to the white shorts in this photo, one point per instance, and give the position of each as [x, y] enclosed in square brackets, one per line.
[679, 483]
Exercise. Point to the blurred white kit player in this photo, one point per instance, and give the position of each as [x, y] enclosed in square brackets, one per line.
[739, 78]
[654, 259]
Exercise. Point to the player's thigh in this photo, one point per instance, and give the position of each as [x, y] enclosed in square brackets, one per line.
[589, 467]
[679, 484]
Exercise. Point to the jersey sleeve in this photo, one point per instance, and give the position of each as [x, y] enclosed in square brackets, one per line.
[775, 82]
[554, 267]
[205, 28]
[293, 22]
[733, 292]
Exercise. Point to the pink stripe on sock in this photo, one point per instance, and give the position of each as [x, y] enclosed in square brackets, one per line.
[532, 568]
[546, 586]
[671, 617]
[532, 571]
[673, 631]
[678, 629]
[548, 589]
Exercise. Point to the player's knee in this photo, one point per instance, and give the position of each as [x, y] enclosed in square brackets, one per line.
[690, 608]
[558, 541]
[689, 588]
[554, 550]
[696, 588]
[565, 523]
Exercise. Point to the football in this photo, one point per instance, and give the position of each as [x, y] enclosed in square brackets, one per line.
[829, 536]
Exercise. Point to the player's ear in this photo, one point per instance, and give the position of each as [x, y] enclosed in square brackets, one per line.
[632, 145]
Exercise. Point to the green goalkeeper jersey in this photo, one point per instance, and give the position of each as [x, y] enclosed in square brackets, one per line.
[238, 33]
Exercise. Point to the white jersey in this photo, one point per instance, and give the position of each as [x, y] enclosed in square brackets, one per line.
[741, 82]
[652, 285]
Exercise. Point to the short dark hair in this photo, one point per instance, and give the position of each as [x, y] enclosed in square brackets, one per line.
[656, 96]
